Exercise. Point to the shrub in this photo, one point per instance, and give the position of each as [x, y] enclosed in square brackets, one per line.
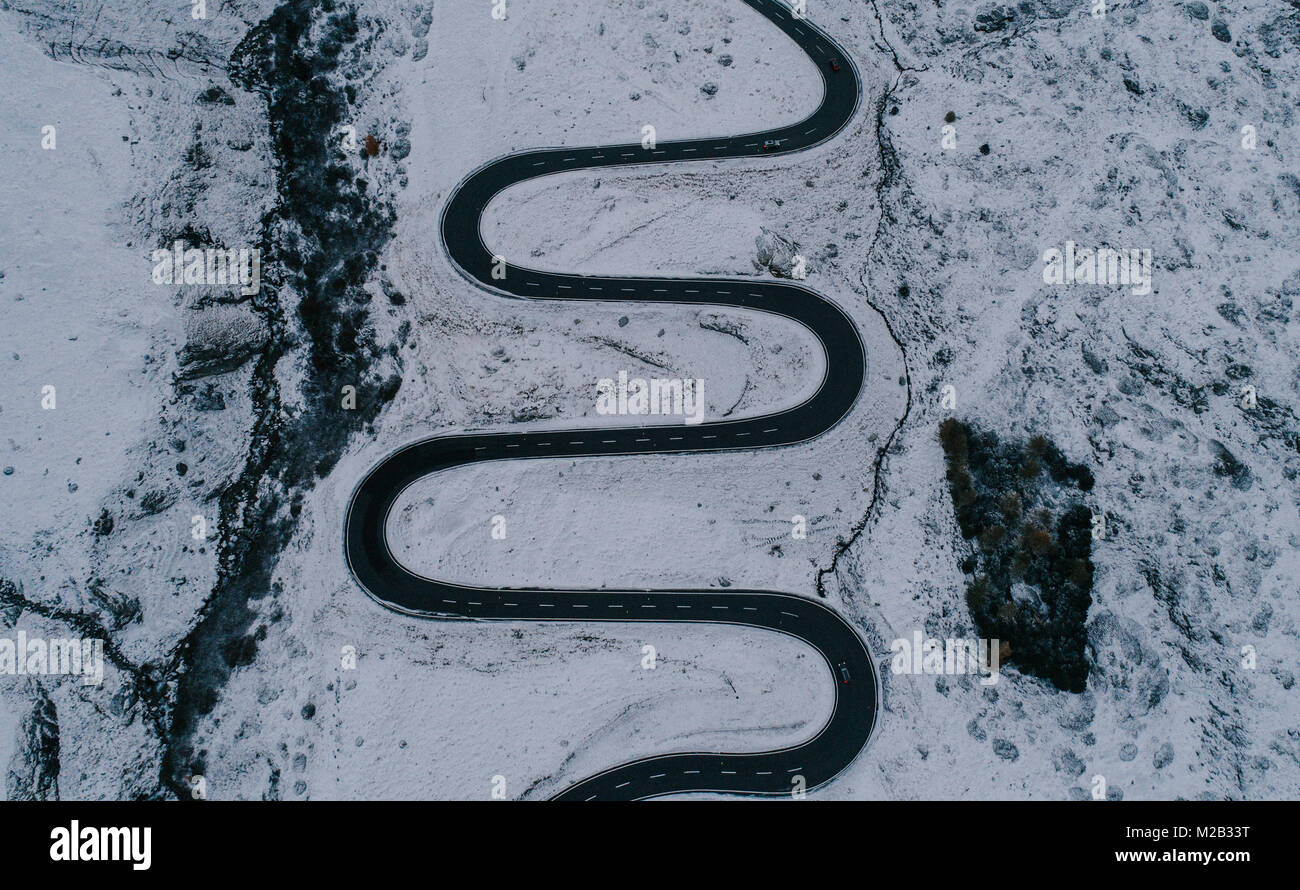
[1019, 502]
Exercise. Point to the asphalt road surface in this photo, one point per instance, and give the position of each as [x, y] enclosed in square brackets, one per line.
[781, 772]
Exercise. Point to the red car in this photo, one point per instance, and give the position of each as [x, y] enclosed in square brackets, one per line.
[835, 65]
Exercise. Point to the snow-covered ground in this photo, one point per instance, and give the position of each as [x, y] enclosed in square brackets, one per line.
[1124, 132]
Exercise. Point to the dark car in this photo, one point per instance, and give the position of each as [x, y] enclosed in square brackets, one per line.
[844, 672]
[835, 65]
[771, 145]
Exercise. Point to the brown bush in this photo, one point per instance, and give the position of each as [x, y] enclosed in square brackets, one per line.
[959, 481]
[992, 536]
[1038, 541]
[952, 435]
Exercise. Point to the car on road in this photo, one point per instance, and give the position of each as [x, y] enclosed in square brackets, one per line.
[835, 65]
[844, 672]
[771, 144]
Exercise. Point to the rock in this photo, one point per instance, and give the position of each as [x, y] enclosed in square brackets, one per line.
[1164, 756]
[155, 501]
[420, 27]
[1228, 466]
[1197, 10]
[709, 89]
[209, 399]
[996, 19]
[1220, 30]
[1261, 620]
[1068, 762]
[103, 526]
[1197, 117]
[1006, 750]
[220, 339]
[1093, 361]
[776, 253]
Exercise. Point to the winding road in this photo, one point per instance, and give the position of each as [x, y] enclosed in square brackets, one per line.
[805, 765]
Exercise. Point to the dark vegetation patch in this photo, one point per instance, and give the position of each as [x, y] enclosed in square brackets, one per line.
[320, 244]
[215, 95]
[1031, 573]
[328, 227]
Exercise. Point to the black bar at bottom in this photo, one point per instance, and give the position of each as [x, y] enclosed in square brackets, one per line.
[264, 840]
